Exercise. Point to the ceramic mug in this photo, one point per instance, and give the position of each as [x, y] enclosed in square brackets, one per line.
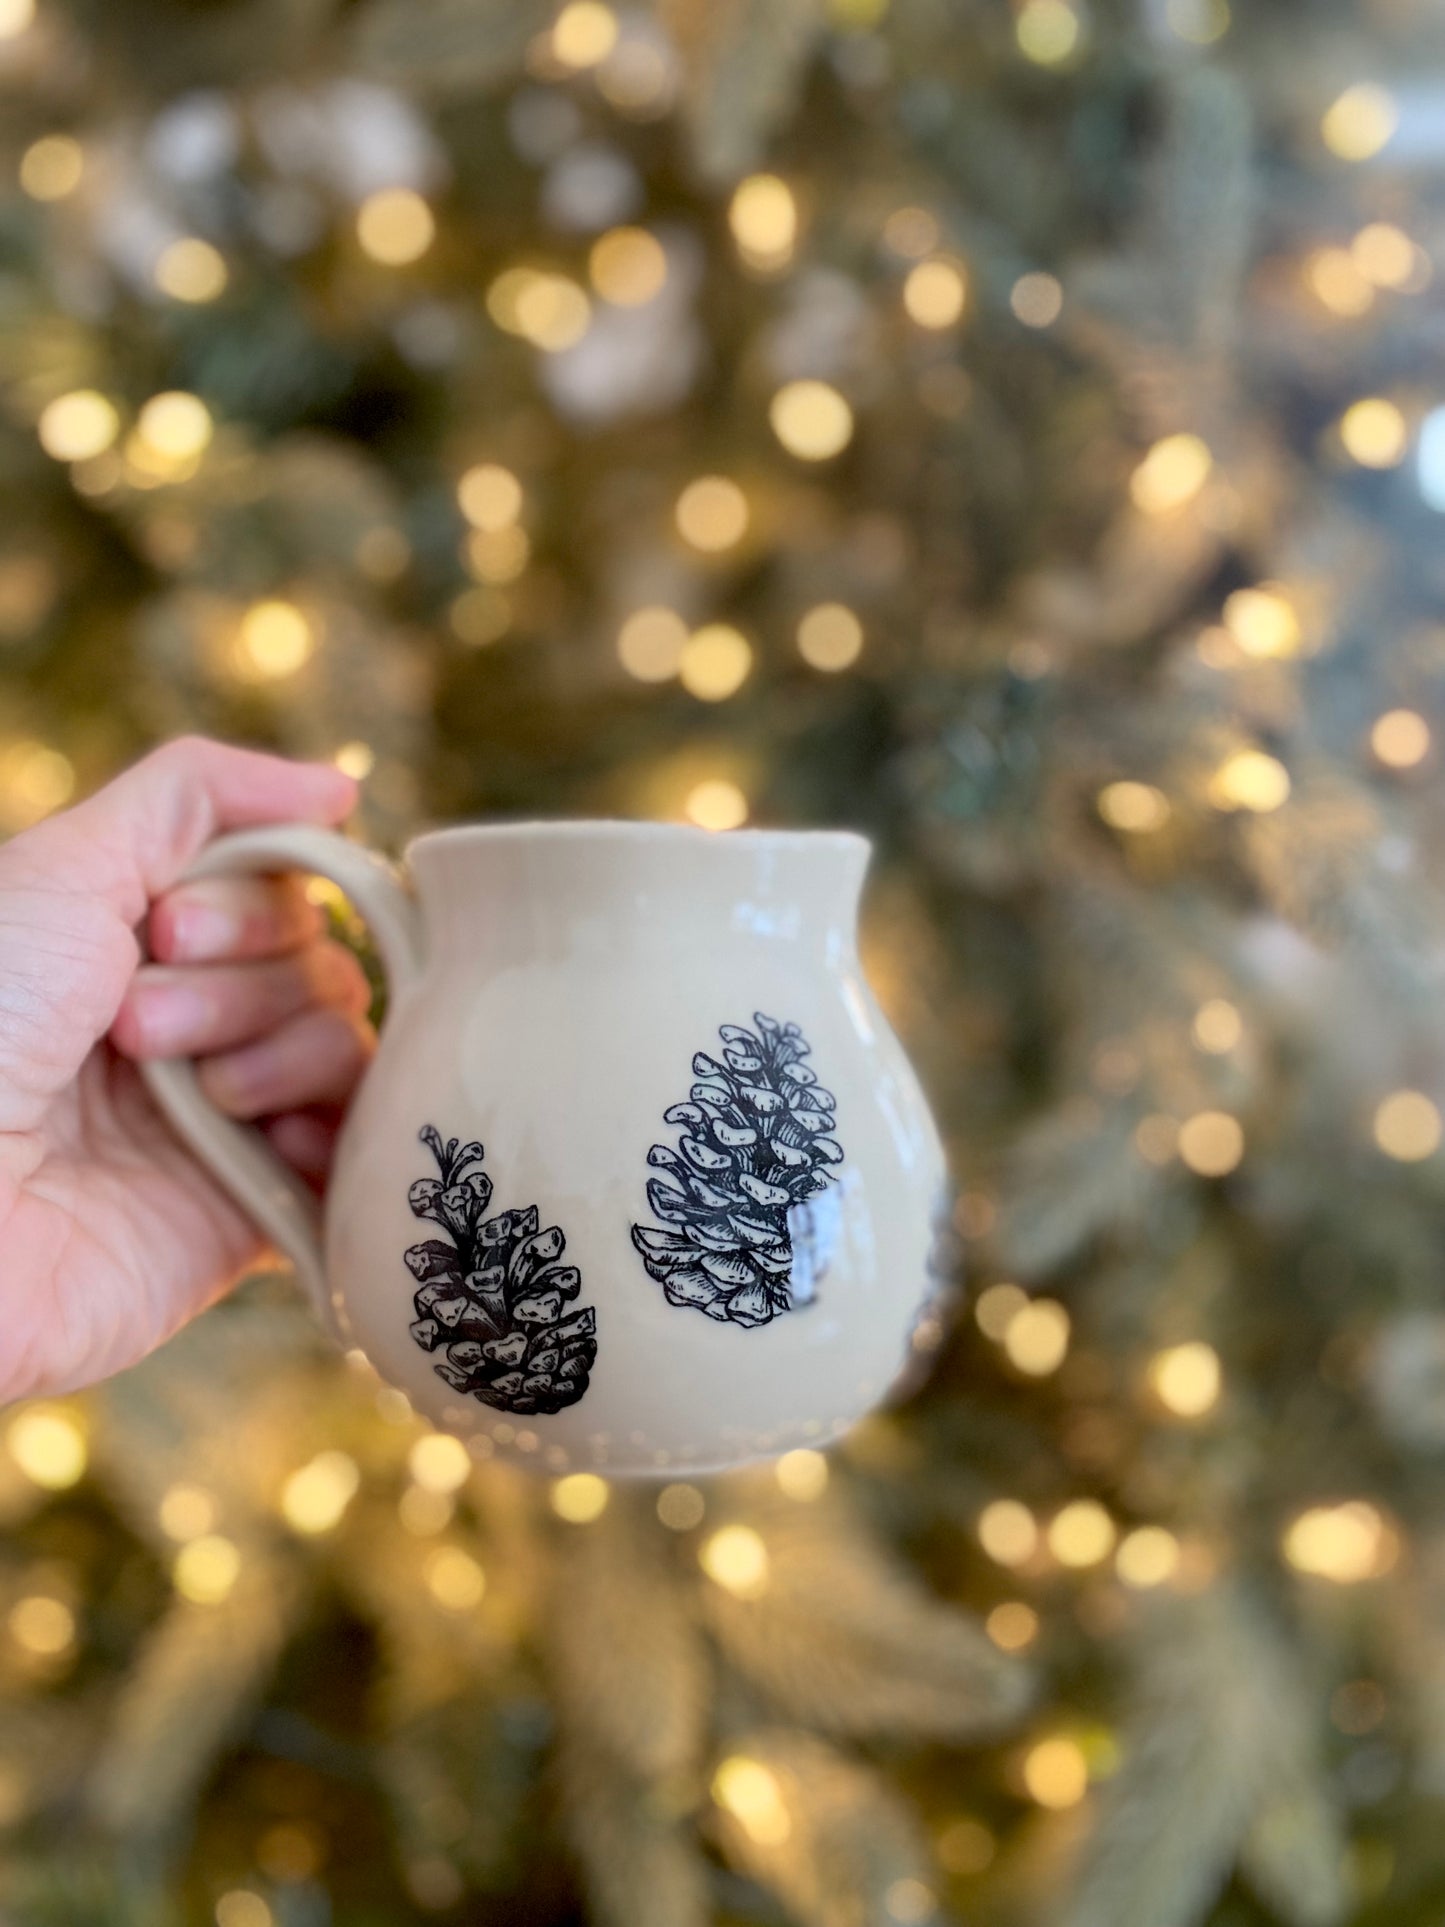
[640, 1179]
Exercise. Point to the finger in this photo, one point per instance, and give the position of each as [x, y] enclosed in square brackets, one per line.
[133, 838]
[231, 918]
[306, 1140]
[316, 1057]
[174, 1010]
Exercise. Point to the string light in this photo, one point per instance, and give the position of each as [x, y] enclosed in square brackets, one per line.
[1037, 300]
[712, 514]
[1187, 1379]
[1082, 1534]
[715, 662]
[242, 1908]
[736, 1559]
[454, 1579]
[997, 1308]
[316, 1496]
[1345, 1543]
[1374, 432]
[439, 1463]
[1217, 1027]
[1408, 1127]
[1400, 738]
[206, 1569]
[186, 1512]
[395, 226]
[42, 1625]
[1047, 31]
[751, 1794]
[1171, 474]
[74, 427]
[1250, 780]
[763, 217]
[1008, 1532]
[830, 637]
[177, 426]
[628, 267]
[965, 1846]
[1360, 122]
[273, 640]
[580, 1498]
[680, 1507]
[546, 309]
[191, 270]
[716, 804]
[650, 643]
[584, 34]
[1148, 1556]
[498, 555]
[802, 1474]
[52, 167]
[1137, 807]
[1056, 1773]
[811, 420]
[1200, 22]
[48, 1446]
[490, 496]
[480, 616]
[1012, 1626]
[1335, 278]
[1037, 1337]
[1263, 622]
[356, 760]
[908, 1901]
[911, 232]
[424, 1514]
[1211, 1143]
[34, 780]
[1385, 255]
[936, 293]
[637, 78]
[15, 17]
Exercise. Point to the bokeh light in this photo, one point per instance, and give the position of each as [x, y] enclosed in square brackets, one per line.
[811, 420]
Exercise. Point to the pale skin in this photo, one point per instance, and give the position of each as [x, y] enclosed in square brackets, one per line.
[111, 1234]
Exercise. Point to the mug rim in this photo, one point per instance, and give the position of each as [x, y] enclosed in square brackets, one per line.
[624, 829]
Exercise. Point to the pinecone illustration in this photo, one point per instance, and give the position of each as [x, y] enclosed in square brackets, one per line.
[756, 1145]
[491, 1295]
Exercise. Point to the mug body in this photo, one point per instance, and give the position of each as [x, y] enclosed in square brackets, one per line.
[640, 1180]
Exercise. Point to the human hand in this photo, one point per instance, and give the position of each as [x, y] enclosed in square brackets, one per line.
[111, 1234]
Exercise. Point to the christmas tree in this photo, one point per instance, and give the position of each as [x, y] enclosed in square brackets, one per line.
[1010, 430]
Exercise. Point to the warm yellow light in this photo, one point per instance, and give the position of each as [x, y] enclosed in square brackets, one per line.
[1012, 1626]
[1211, 1143]
[1056, 1773]
[752, 1795]
[206, 1569]
[1200, 22]
[830, 637]
[1037, 300]
[716, 804]
[650, 643]
[1385, 255]
[680, 1507]
[802, 1474]
[1407, 1127]
[628, 266]
[51, 167]
[736, 1559]
[712, 513]
[1148, 1556]
[42, 1625]
[1037, 1337]
[1250, 780]
[1082, 1534]
[580, 1497]
[1171, 474]
[395, 226]
[811, 420]
[997, 1308]
[1187, 1379]
[480, 616]
[498, 555]
[186, 1512]
[1400, 738]
[176, 425]
[490, 496]
[76, 426]
[191, 270]
[454, 1578]
[1346, 1543]
[439, 1463]
[1335, 278]
[15, 17]
[1217, 1026]
[583, 34]
[763, 216]
[1360, 122]
[936, 293]
[48, 1446]
[1263, 622]
[715, 662]
[314, 1498]
[911, 232]
[638, 78]
[273, 640]
[424, 1514]
[355, 759]
[966, 1846]
[34, 779]
[241, 1908]
[1008, 1532]
[1374, 432]
[546, 309]
[1133, 806]
[1047, 31]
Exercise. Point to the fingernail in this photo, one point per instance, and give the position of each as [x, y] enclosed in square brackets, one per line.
[201, 931]
[171, 1016]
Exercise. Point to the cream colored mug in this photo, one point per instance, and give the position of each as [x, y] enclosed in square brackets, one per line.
[640, 1179]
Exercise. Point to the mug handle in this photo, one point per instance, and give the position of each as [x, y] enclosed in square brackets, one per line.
[237, 1155]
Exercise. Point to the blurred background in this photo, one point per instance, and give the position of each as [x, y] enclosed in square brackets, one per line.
[1017, 432]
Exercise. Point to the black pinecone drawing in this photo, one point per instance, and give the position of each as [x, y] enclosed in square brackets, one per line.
[757, 1142]
[492, 1296]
